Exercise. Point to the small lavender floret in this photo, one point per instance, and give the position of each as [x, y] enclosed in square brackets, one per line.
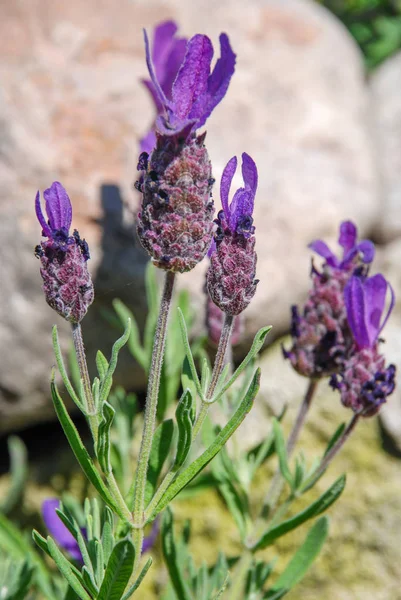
[67, 283]
[231, 275]
[321, 338]
[365, 382]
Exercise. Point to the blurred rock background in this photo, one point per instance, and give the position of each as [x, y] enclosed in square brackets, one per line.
[314, 100]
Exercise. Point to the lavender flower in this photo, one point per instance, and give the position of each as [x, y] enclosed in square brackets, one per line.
[364, 381]
[353, 251]
[231, 276]
[187, 100]
[320, 333]
[58, 530]
[67, 283]
[168, 53]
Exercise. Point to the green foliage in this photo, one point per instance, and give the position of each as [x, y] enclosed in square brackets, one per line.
[375, 25]
[18, 473]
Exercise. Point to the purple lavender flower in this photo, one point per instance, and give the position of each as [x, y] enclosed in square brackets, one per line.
[352, 250]
[58, 530]
[185, 95]
[230, 278]
[365, 382]
[67, 283]
[321, 336]
[167, 56]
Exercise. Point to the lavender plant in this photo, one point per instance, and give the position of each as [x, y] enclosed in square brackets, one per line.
[99, 549]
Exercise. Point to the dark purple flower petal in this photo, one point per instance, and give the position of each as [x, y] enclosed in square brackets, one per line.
[225, 185]
[218, 81]
[356, 312]
[172, 66]
[58, 530]
[192, 78]
[163, 39]
[250, 177]
[148, 142]
[149, 540]
[58, 207]
[348, 235]
[390, 308]
[324, 251]
[375, 290]
[367, 249]
[237, 207]
[45, 228]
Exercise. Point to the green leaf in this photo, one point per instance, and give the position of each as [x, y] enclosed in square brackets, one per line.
[235, 504]
[315, 509]
[65, 569]
[60, 364]
[161, 443]
[257, 344]
[138, 582]
[102, 364]
[304, 557]
[171, 558]
[184, 414]
[188, 354]
[104, 440]
[80, 451]
[18, 472]
[89, 582]
[282, 453]
[118, 571]
[187, 381]
[200, 463]
[134, 340]
[107, 382]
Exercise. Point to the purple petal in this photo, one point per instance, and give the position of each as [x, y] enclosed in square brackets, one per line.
[390, 308]
[324, 251]
[250, 177]
[354, 298]
[225, 185]
[375, 290]
[158, 90]
[45, 228]
[58, 530]
[148, 143]
[152, 91]
[348, 235]
[192, 78]
[212, 248]
[58, 207]
[163, 39]
[367, 249]
[237, 207]
[173, 64]
[218, 81]
[150, 539]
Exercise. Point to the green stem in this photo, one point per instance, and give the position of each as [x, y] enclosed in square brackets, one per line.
[277, 482]
[89, 402]
[219, 363]
[236, 588]
[115, 490]
[160, 491]
[150, 412]
[337, 446]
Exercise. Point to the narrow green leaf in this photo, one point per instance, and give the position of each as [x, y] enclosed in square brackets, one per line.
[134, 340]
[315, 509]
[40, 541]
[107, 540]
[89, 582]
[118, 571]
[183, 415]
[171, 558]
[282, 453]
[60, 363]
[187, 381]
[18, 473]
[304, 557]
[223, 588]
[102, 365]
[80, 451]
[257, 344]
[104, 438]
[200, 463]
[188, 354]
[235, 505]
[205, 375]
[65, 569]
[138, 582]
[106, 384]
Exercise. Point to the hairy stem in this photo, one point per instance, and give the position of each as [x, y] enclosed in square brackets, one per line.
[219, 363]
[150, 413]
[337, 446]
[86, 383]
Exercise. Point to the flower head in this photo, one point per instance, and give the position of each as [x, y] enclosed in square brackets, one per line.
[58, 530]
[352, 250]
[184, 89]
[364, 381]
[231, 276]
[67, 283]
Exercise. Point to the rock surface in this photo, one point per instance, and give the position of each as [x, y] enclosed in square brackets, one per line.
[72, 109]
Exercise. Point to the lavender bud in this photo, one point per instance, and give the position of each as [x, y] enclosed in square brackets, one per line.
[67, 283]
